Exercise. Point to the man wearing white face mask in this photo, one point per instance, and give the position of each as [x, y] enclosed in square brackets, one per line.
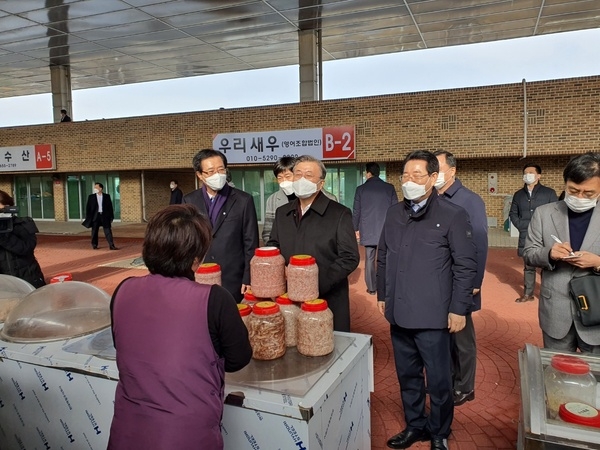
[464, 348]
[312, 224]
[285, 194]
[233, 219]
[524, 203]
[575, 222]
[426, 268]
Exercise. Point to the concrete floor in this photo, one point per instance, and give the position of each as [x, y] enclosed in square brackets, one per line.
[503, 327]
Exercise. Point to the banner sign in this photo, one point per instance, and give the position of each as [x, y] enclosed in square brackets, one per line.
[330, 143]
[27, 158]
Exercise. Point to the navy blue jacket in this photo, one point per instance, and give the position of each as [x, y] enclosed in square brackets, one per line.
[523, 206]
[371, 202]
[234, 237]
[426, 264]
[458, 194]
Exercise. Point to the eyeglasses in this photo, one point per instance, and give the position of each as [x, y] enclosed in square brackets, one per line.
[307, 175]
[406, 177]
[211, 172]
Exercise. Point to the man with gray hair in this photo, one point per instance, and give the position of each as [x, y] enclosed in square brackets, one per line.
[313, 224]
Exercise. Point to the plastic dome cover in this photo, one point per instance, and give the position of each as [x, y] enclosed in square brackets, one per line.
[12, 290]
[58, 311]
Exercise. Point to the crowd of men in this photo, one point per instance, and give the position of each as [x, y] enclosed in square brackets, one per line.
[425, 260]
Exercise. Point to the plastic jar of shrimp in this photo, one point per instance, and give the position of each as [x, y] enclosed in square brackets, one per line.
[302, 278]
[315, 329]
[251, 299]
[245, 311]
[266, 329]
[290, 311]
[267, 272]
[208, 273]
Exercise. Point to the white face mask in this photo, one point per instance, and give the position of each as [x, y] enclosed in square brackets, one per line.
[96, 191]
[287, 187]
[304, 188]
[216, 181]
[172, 186]
[529, 178]
[441, 180]
[412, 190]
[580, 205]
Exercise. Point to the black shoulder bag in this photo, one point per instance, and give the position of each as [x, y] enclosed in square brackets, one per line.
[586, 294]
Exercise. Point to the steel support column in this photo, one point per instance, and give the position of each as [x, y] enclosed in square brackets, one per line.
[308, 56]
[60, 80]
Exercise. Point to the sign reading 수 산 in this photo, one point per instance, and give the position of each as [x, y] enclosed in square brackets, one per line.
[27, 158]
[259, 147]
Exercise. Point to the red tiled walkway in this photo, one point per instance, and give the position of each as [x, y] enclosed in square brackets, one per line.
[503, 327]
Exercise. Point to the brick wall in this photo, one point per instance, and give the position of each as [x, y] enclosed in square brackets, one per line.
[482, 126]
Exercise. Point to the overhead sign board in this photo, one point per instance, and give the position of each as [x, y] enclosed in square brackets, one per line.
[330, 143]
[27, 158]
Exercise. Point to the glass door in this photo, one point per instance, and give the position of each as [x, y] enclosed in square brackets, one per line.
[34, 195]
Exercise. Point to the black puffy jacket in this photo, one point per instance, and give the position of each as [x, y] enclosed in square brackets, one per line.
[16, 252]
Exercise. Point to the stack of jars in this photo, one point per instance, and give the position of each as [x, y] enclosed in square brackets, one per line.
[307, 320]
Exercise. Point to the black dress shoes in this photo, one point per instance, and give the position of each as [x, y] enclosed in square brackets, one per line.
[407, 437]
[439, 444]
[112, 247]
[463, 397]
[95, 247]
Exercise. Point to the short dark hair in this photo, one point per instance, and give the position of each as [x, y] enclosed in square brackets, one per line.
[433, 165]
[6, 199]
[99, 184]
[175, 181]
[582, 168]
[285, 163]
[372, 168]
[450, 158]
[205, 154]
[64, 111]
[176, 237]
[537, 168]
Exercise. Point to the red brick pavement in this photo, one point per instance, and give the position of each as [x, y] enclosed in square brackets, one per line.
[503, 327]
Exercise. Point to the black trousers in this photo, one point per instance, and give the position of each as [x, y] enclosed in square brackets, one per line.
[107, 231]
[464, 357]
[415, 350]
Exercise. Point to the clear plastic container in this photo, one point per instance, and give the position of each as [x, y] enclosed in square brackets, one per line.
[245, 311]
[251, 299]
[266, 329]
[12, 290]
[302, 278]
[58, 311]
[208, 273]
[290, 311]
[568, 379]
[267, 272]
[315, 329]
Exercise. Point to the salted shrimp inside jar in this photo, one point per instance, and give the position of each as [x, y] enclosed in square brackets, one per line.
[245, 311]
[290, 311]
[208, 273]
[302, 278]
[315, 329]
[267, 272]
[266, 329]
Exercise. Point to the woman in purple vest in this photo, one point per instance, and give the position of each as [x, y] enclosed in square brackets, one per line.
[175, 340]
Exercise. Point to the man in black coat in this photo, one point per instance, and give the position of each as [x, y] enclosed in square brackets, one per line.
[233, 218]
[176, 193]
[312, 224]
[524, 203]
[371, 202]
[426, 267]
[99, 212]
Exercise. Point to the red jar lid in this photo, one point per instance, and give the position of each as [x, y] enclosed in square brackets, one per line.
[314, 305]
[244, 309]
[267, 251]
[570, 364]
[579, 413]
[265, 308]
[208, 268]
[302, 260]
[61, 277]
[283, 299]
[248, 295]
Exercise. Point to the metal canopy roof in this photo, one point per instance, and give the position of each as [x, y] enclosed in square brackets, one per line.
[111, 42]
